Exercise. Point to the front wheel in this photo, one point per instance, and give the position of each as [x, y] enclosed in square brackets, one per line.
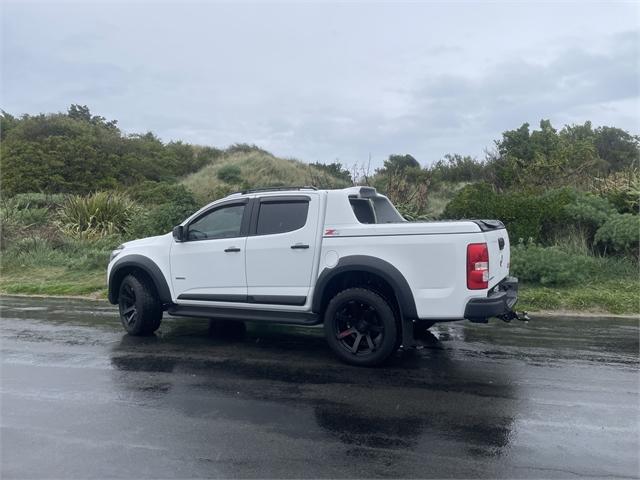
[140, 309]
[360, 327]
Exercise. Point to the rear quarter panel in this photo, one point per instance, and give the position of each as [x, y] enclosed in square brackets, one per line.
[434, 265]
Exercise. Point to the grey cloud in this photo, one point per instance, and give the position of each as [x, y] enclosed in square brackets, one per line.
[325, 81]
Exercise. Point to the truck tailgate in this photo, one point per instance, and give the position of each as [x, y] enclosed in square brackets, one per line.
[499, 254]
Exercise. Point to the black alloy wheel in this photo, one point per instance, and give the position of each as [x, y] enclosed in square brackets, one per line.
[360, 327]
[127, 303]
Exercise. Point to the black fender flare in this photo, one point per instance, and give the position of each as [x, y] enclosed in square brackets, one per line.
[377, 266]
[143, 263]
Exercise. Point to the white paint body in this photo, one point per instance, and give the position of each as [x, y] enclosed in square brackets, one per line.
[430, 255]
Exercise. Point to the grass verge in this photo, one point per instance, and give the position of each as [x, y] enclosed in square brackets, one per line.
[54, 281]
[612, 296]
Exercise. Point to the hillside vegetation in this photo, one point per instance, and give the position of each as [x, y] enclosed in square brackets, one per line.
[74, 186]
[77, 152]
[250, 168]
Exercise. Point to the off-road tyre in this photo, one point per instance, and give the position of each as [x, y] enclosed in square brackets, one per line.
[360, 327]
[139, 306]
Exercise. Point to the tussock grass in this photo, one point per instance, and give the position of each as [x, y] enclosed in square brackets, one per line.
[257, 169]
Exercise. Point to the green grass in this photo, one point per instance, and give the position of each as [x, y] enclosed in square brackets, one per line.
[54, 281]
[43, 267]
[568, 276]
[609, 296]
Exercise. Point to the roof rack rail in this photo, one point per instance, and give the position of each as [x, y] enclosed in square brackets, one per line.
[276, 189]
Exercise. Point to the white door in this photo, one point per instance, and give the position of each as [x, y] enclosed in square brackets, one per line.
[209, 265]
[280, 250]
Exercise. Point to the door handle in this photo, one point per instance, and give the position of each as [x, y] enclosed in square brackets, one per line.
[232, 249]
[299, 245]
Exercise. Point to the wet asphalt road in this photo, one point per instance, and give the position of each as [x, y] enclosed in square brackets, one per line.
[80, 399]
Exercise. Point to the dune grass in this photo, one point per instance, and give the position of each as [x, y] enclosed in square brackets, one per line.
[254, 169]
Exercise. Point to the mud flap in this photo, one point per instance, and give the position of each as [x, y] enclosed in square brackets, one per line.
[408, 340]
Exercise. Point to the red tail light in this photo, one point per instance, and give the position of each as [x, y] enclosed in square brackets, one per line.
[477, 266]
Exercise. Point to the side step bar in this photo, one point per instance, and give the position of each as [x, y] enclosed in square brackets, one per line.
[245, 314]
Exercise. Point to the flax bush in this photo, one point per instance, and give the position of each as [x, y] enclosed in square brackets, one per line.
[95, 215]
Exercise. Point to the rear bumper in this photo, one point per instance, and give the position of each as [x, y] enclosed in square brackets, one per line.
[499, 302]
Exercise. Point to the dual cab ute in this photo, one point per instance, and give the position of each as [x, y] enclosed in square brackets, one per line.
[343, 258]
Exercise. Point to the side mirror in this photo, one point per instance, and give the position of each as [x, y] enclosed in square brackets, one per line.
[178, 233]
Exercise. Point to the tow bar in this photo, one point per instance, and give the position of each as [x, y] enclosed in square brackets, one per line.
[522, 316]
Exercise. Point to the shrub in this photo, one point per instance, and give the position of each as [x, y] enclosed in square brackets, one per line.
[620, 234]
[542, 217]
[157, 193]
[230, 173]
[160, 219]
[523, 214]
[589, 212]
[550, 265]
[166, 205]
[621, 188]
[96, 215]
[458, 168]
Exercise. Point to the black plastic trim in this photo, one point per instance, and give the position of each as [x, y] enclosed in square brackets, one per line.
[123, 265]
[296, 300]
[487, 225]
[285, 199]
[213, 297]
[498, 302]
[245, 314]
[363, 263]
[276, 189]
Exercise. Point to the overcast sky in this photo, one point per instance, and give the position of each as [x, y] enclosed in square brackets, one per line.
[324, 81]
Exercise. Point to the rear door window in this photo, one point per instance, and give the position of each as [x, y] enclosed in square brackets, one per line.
[281, 217]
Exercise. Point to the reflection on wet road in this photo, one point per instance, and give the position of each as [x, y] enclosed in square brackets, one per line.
[555, 398]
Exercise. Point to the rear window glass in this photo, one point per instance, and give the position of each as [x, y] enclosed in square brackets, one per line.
[363, 209]
[280, 217]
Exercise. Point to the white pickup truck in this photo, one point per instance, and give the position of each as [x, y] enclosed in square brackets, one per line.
[345, 258]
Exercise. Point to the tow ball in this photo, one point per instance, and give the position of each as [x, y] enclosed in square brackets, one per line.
[522, 316]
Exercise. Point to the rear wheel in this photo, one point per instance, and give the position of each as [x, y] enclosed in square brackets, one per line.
[140, 309]
[360, 327]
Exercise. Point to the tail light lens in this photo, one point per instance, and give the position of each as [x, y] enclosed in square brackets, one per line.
[477, 266]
